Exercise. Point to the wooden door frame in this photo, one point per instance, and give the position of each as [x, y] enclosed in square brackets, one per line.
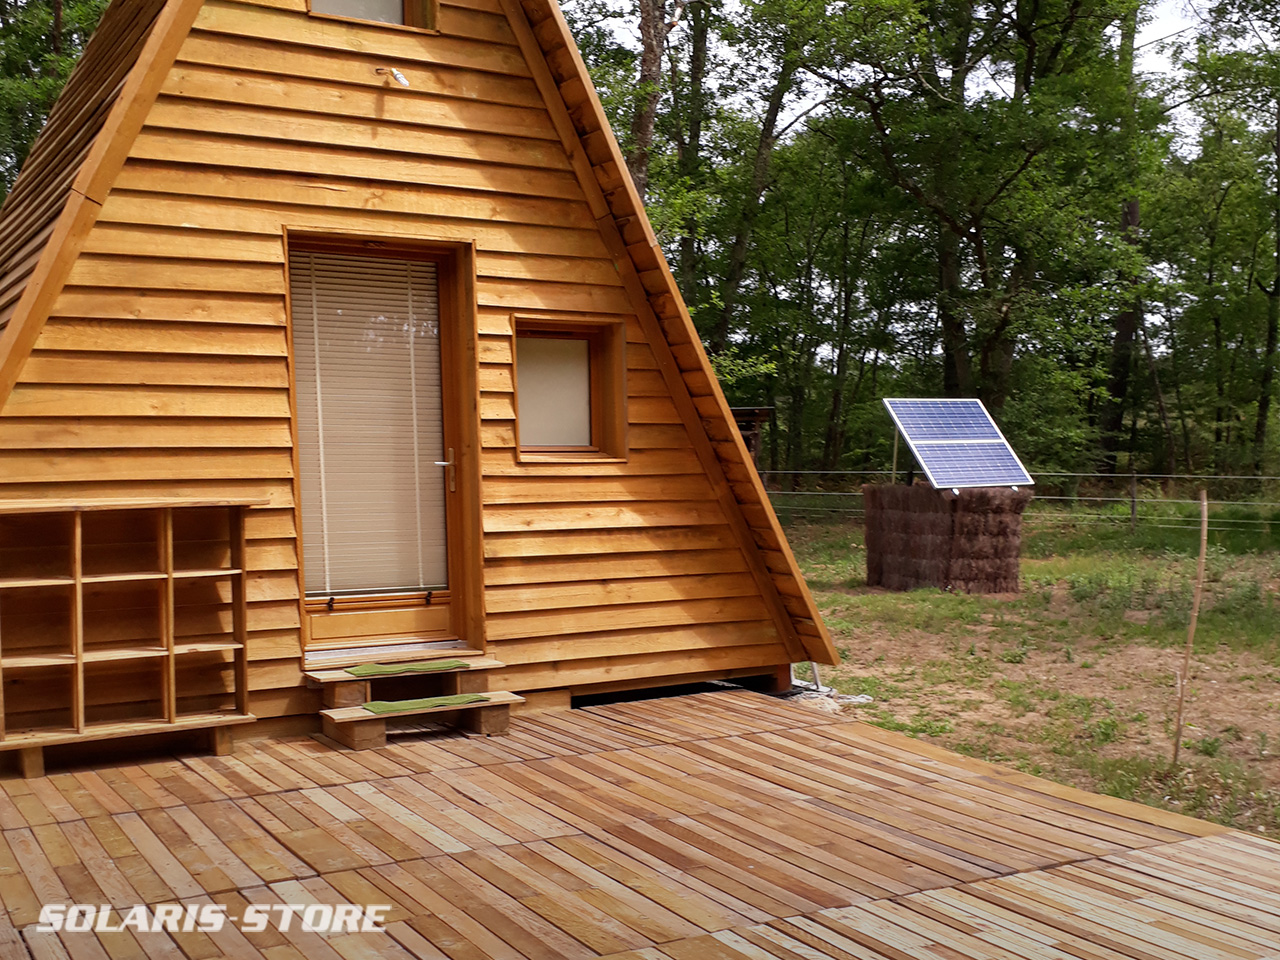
[460, 412]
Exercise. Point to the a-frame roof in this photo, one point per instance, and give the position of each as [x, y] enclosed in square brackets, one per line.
[644, 269]
[73, 162]
[94, 124]
[46, 188]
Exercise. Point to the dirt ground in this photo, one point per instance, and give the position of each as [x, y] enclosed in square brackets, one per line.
[1230, 696]
[1049, 684]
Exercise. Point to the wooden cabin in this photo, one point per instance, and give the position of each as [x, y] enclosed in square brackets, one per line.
[335, 333]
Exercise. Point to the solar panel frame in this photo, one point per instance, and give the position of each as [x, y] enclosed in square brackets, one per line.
[946, 436]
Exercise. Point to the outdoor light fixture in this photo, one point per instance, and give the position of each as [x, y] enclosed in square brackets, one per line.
[395, 75]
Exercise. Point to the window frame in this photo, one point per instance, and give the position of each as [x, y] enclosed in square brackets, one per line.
[455, 263]
[606, 341]
[420, 16]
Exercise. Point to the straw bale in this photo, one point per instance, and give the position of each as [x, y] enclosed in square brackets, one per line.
[968, 541]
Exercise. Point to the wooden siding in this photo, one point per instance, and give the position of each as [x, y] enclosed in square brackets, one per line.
[652, 282]
[163, 367]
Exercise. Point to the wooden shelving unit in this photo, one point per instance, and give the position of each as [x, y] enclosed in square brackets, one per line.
[120, 619]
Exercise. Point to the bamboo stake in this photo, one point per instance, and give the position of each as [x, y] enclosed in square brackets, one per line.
[1184, 678]
[1133, 502]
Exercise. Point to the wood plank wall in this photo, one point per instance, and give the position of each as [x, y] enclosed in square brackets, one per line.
[618, 194]
[163, 370]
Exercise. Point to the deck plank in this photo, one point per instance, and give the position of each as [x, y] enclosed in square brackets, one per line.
[721, 826]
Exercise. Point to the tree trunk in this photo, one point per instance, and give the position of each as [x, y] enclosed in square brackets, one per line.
[57, 28]
[1219, 360]
[770, 391]
[1267, 379]
[957, 375]
[653, 37]
[834, 440]
[1220, 390]
[995, 364]
[1126, 325]
[1122, 350]
[751, 206]
[1239, 441]
[1174, 354]
[691, 149]
[1171, 449]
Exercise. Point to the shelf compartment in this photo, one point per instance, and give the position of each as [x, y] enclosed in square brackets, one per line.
[18, 583]
[122, 614]
[205, 681]
[35, 546]
[202, 540]
[39, 700]
[104, 652]
[128, 691]
[30, 661]
[120, 542]
[119, 619]
[205, 644]
[203, 609]
[216, 573]
[37, 621]
[138, 577]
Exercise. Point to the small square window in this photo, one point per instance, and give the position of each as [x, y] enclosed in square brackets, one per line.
[569, 378]
[412, 13]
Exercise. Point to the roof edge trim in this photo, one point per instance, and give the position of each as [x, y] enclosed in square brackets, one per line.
[90, 188]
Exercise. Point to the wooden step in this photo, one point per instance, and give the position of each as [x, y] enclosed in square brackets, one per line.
[357, 728]
[496, 698]
[340, 689]
[388, 650]
[469, 663]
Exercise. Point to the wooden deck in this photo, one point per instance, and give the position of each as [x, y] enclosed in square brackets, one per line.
[723, 826]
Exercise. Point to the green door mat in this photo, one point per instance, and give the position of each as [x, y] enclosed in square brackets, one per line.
[382, 669]
[426, 703]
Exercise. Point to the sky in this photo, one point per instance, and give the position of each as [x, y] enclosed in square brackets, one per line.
[1168, 19]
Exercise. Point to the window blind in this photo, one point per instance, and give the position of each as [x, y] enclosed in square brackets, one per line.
[366, 346]
[383, 11]
[553, 391]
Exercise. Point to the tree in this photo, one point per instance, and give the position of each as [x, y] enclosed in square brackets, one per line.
[40, 41]
[979, 115]
[1231, 270]
[980, 199]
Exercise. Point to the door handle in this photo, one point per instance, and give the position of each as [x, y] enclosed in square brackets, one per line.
[451, 466]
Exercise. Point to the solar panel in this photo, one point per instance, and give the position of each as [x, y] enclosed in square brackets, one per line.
[957, 443]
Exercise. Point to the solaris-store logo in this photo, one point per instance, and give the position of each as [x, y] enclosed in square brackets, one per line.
[211, 917]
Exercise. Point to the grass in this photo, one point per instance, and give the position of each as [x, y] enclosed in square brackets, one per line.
[1075, 676]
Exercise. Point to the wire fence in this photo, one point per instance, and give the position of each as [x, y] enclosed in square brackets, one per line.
[1147, 501]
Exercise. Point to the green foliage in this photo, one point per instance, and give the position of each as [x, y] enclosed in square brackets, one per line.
[1010, 137]
[33, 69]
[1206, 746]
[731, 367]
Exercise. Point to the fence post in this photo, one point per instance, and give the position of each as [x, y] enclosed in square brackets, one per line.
[1133, 502]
